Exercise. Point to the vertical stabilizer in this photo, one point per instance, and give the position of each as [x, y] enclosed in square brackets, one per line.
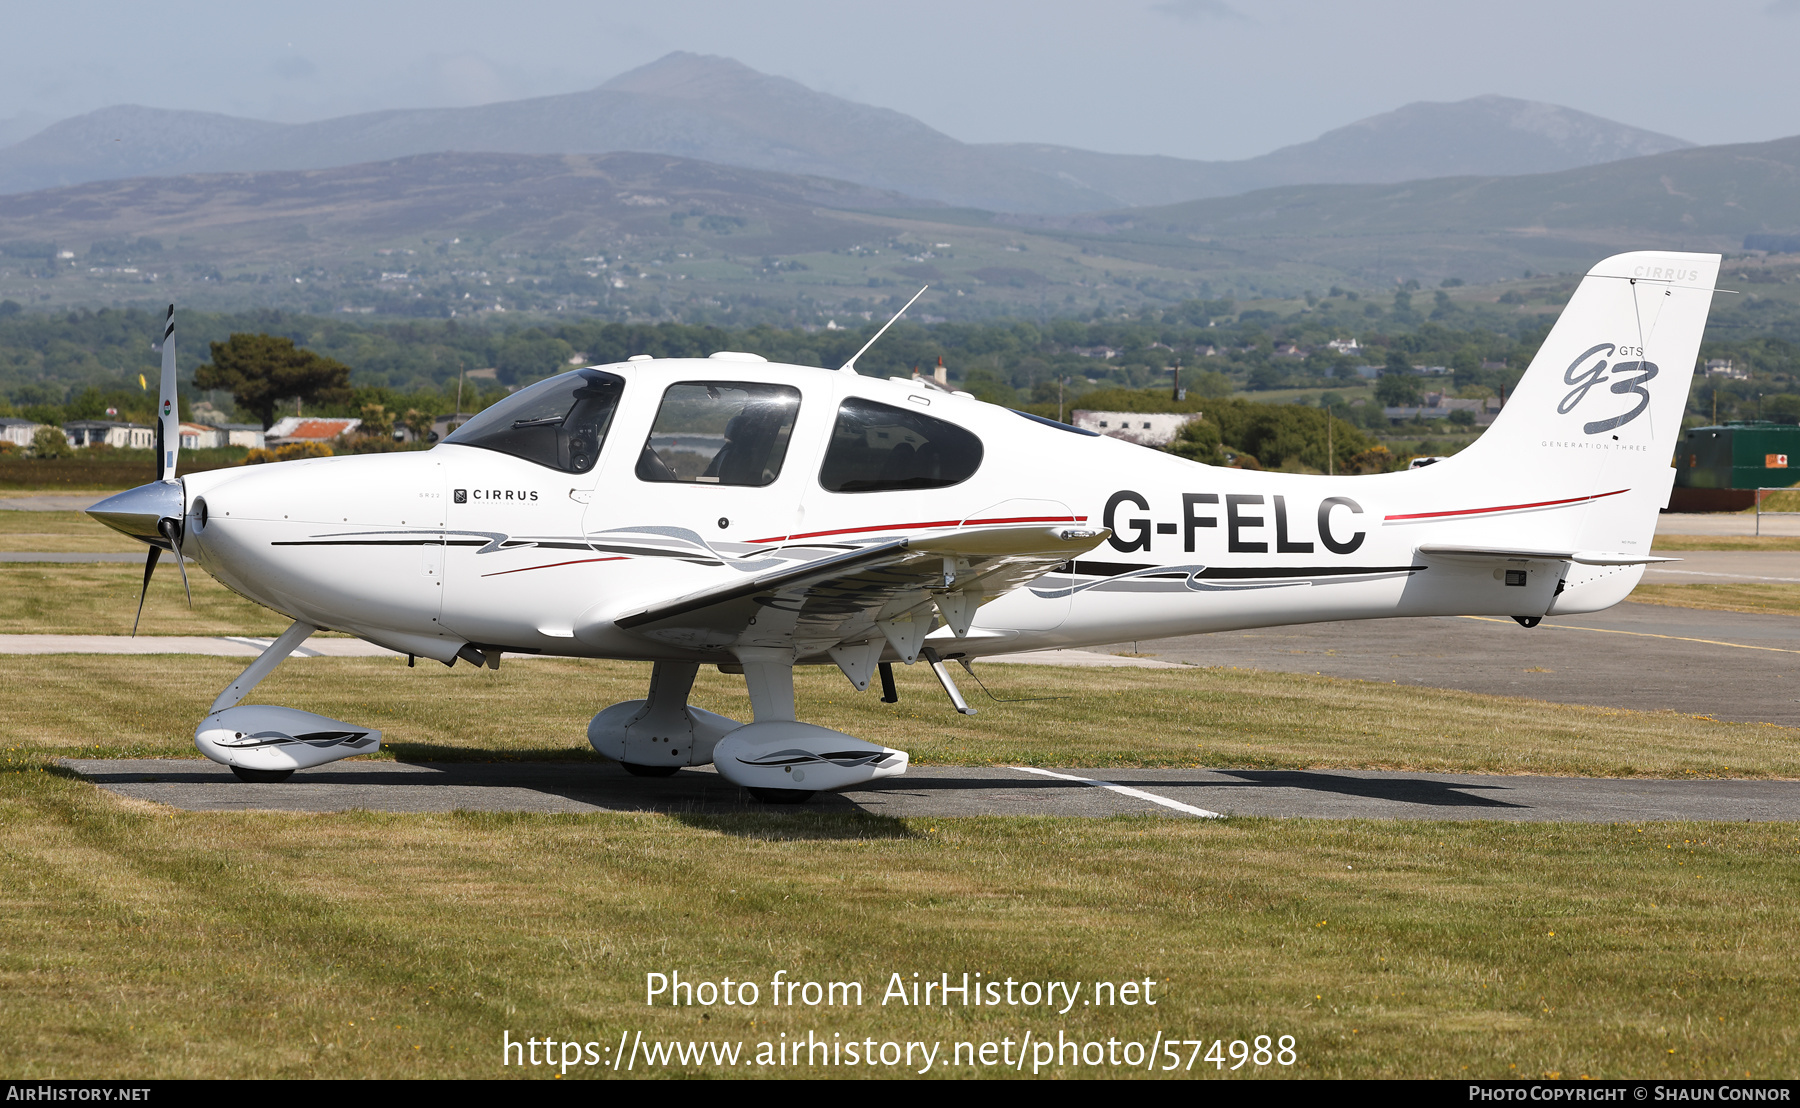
[1596, 418]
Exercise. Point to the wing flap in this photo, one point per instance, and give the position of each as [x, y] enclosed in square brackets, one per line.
[821, 602]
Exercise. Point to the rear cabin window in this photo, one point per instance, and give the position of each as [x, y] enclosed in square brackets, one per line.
[877, 448]
[559, 423]
[720, 433]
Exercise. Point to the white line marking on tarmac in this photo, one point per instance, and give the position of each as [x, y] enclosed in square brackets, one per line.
[1126, 790]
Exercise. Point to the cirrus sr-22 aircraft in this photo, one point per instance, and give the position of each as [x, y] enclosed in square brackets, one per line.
[732, 512]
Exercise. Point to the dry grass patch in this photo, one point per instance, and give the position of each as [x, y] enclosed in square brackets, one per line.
[42, 598]
[108, 705]
[61, 532]
[1664, 544]
[362, 945]
[1773, 600]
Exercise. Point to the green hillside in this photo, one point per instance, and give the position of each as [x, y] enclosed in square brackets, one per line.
[644, 237]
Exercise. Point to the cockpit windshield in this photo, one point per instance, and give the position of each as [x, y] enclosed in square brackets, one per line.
[559, 423]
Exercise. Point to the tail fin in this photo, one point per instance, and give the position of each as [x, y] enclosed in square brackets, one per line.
[1598, 413]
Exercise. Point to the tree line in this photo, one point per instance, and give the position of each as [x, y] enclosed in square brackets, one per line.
[77, 364]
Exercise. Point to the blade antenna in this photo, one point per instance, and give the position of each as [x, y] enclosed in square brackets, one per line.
[149, 568]
[850, 366]
[168, 528]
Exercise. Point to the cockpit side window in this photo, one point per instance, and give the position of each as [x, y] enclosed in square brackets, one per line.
[720, 433]
[559, 423]
[878, 448]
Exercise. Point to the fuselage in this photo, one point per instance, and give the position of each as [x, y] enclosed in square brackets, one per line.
[426, 551]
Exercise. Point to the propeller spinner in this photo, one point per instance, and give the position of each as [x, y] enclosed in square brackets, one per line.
[155, 513]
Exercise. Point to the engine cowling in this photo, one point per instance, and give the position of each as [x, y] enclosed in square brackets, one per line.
[787, 755]
[267, 737]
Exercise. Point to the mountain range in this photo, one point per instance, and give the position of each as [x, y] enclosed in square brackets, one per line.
[717, 110]
[652, 234]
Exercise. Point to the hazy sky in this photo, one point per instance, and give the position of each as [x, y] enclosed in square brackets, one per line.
[1192, 78]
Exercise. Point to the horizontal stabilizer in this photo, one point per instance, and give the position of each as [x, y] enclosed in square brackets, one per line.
[1519, 554]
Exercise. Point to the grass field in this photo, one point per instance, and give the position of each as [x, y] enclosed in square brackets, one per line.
[1669, 544]
[1780, 600]
[152, 943]
[111, 706]
[99, 598]
[147, 942]
[61, 533]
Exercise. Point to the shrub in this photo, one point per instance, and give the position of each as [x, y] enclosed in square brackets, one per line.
[50, 442]
[288, 453]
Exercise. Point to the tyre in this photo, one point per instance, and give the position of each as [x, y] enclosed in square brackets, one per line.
[638, 769]
[782, 796]
[262, 776]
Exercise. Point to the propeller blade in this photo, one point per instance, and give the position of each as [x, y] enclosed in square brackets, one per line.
[168, 409]
[170, 530]
[149, 568]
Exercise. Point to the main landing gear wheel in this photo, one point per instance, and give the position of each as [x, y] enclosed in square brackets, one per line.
[262, 776]
[638, 769]
[782, 796]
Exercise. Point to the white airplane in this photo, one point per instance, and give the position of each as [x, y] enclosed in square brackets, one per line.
[727, 511]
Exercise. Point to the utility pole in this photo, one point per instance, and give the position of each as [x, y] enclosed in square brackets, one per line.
[1059, 399]
[459, 385]
[1330, 454]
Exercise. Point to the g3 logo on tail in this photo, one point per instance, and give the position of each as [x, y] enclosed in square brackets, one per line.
[1628, 377]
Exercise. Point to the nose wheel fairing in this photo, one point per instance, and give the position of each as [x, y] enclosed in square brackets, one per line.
[267, 738]
[264, 740]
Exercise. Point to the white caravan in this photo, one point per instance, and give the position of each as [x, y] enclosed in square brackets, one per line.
[732, 512]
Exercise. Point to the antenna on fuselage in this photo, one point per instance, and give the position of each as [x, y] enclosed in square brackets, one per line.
[850, 366]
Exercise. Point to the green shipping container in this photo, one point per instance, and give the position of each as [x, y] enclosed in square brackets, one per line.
[1718, 469]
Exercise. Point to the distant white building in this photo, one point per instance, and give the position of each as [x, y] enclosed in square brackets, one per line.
[1344, 346]
[1143, 428]
[96, 432]
[243, 434]
[1722, 367]
[19, 432]
[199, 436]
